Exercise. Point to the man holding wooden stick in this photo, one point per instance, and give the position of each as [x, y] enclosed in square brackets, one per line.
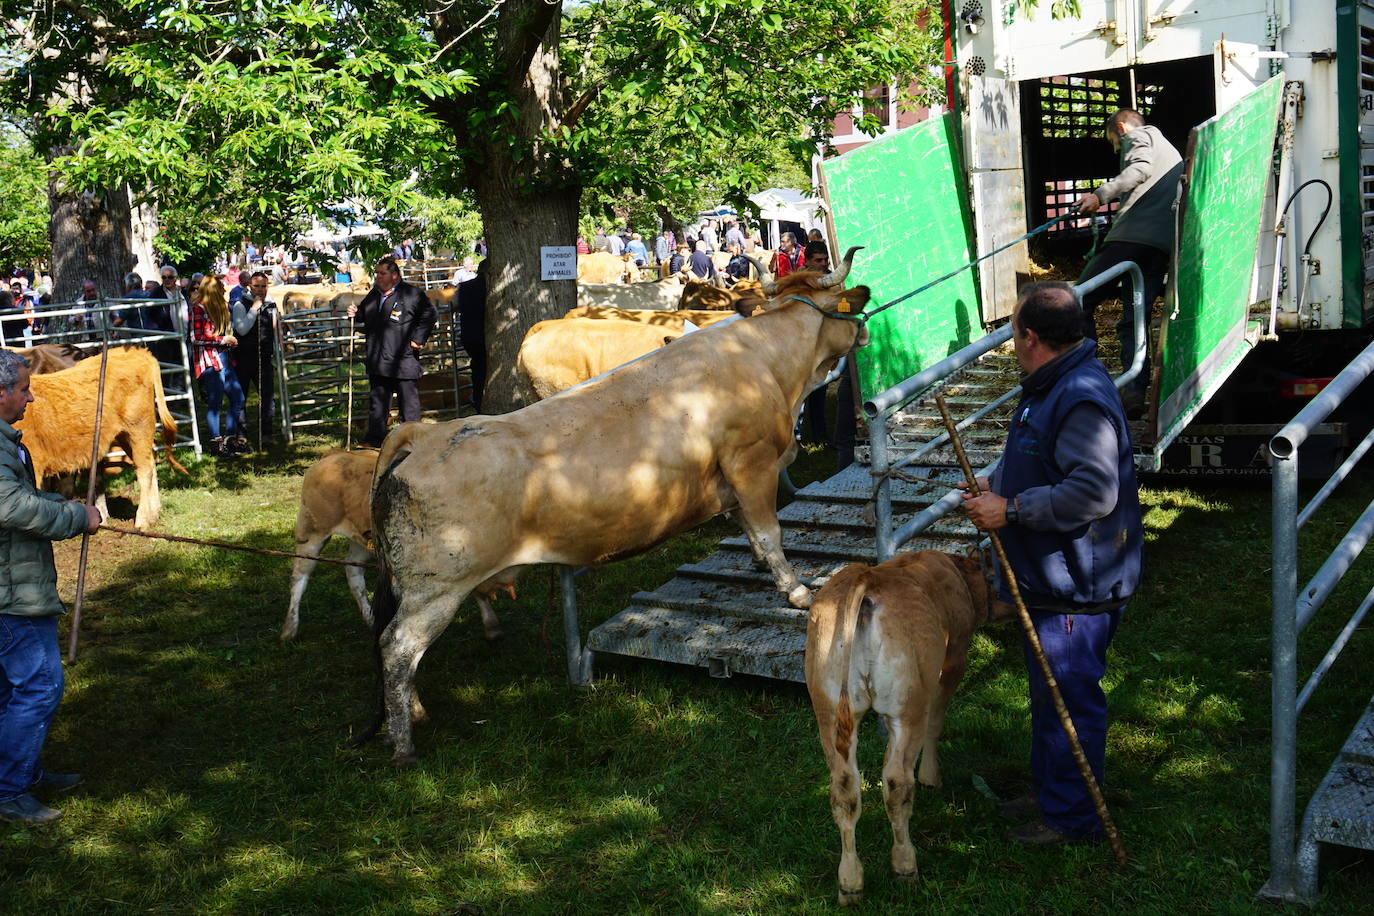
[31, 679]
[1065, 503]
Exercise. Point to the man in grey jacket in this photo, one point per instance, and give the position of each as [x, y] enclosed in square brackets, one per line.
[1143, 229]
[30, 662]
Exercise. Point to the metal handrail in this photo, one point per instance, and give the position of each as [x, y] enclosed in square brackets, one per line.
[880, 409]
[1292, 856]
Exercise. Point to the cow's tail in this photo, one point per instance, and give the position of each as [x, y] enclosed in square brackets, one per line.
[846, 628]
[385, 601]
[169, 422]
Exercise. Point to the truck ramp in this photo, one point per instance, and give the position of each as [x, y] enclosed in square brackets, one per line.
[725, 614]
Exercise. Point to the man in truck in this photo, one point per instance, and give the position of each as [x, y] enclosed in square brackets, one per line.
[1142, 231]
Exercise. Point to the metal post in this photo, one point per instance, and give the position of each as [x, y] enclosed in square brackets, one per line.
[1283, 725]
[882, 503]
[283, 380]
[579, 659]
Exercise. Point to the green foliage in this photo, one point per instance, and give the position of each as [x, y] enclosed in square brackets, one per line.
[304, 103]
[446, 222]
[1059, 9]
[24, 217]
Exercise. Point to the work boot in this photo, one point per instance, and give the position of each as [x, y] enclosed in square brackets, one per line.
[1039, 833]
[238, 445]
[217, 448]
[1020, 809]
[25, 809]
[58, 782]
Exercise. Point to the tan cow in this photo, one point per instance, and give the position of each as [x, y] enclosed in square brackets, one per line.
[655, 294]
[562, 352]
[650, 316]
[601, 472]
[334, 500]
[46, 358]
[604, 267]
[60, 424]
[702, 294]
[892, 638]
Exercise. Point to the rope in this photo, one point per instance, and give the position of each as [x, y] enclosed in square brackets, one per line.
[1072, 212]
[222, 545]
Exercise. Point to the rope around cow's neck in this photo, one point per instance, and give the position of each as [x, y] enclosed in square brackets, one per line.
[222, 545]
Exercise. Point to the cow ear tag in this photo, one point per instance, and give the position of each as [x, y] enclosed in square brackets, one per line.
[842, 306]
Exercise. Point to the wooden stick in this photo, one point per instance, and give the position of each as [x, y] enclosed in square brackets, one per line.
[348, 424]
[90, 498]
[1028, 626]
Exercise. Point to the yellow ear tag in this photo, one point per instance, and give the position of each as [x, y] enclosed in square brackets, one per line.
[842, 306]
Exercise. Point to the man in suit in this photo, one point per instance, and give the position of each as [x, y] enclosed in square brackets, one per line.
[397, 319]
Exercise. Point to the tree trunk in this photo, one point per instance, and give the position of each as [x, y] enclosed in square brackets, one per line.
[91, 235]
[518, 225]
[526, 190]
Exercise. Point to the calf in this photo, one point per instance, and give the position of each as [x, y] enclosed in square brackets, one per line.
[60, 425]
[892, 638]
[334, 500]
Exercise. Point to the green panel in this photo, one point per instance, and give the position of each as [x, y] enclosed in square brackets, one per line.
[1231, 159]
[1348, 81]
[904, 199]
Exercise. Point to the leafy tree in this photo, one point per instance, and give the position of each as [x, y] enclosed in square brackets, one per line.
[24, 218]
[304, 103]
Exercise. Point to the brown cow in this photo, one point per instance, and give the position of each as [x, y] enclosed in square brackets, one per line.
[601, 472]
[655, 294]
[334, 500]
[702, 294]
[562, 352]
[892, 638]
[46, 358]
[58, 428]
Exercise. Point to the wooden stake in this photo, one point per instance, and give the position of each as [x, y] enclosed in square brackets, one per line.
[90, 499]
[1028, 626]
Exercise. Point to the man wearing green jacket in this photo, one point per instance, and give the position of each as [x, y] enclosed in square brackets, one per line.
[30, 661]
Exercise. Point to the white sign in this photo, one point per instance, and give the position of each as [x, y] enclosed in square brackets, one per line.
[559, 262]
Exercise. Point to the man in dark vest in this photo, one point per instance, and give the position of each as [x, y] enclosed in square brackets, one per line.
[397, 319]
[254, 317]
[1065, 503]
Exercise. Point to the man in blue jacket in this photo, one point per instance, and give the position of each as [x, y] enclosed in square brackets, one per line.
[1065, 503]
[30, 662]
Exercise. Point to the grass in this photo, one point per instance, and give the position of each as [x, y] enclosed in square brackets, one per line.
[219, 780]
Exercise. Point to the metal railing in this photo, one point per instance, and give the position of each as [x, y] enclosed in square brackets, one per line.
[1293, 865]
[882, 407]
[86, 325]
[322, 363]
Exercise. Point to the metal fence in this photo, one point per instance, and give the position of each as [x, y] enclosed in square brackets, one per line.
[86, 325]
[1339, 811]
[322, 365]
[881, 409]
[433, 274]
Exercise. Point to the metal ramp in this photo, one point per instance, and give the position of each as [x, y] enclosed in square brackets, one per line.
[725, 614]
[1342, 809]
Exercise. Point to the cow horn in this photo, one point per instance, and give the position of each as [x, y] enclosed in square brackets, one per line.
[767, 284]
[836, 276]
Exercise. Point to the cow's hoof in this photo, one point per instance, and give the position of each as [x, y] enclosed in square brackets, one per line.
[904, 875]
[800, 597]
[404, 761]
[287, 635]
[495, 637]
[850, 898]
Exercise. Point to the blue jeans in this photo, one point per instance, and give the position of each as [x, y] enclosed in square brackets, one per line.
[1076, 647]
[214, 385]
[30, 689]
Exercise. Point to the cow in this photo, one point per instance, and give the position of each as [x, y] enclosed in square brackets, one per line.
[45, 358]
[702, 294]
[677, 319]
[60, 425]
[334, 500]
[893, 638]
[655, 294]
[601, 472]
[604, 267]
[562, 352]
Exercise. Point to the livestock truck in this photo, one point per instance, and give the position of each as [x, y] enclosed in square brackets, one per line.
[1270, 290]
[1031, 95]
